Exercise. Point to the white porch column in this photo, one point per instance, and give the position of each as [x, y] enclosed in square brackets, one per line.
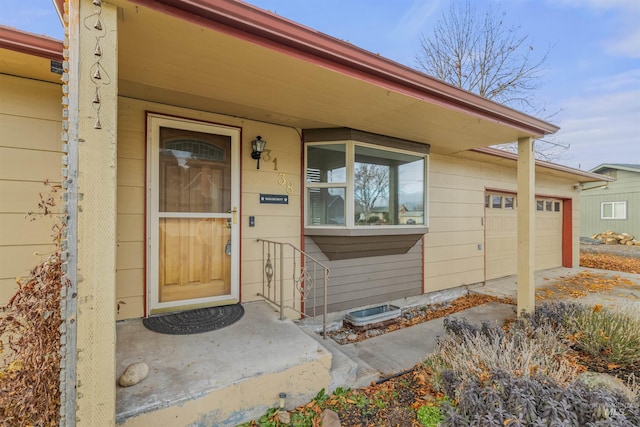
[92, 112]
[526, 225]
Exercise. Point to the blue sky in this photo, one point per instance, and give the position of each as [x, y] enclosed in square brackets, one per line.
[593, 78]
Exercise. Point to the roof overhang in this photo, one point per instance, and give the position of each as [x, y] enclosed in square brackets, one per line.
[616, 166]
[230, 57]
[29, 55]
[501, 157]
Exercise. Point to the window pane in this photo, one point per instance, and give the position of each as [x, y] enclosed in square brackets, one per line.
[508, 202]
[496, 202]
[607, 210]
[326, 206]
[388, 187]
[326, 163]
[556, 207]
[619, 210]
[549, 205]
[195, 171]
[540, 205]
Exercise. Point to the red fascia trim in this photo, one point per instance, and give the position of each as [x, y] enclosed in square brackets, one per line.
[31, 44]
[263, 28]
[512, 156]
[567, 233]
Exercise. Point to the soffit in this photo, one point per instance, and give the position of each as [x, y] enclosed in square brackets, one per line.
[27, 66]
[169, 60]
[29, 55]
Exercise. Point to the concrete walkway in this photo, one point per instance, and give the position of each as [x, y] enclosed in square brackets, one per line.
[358, 364]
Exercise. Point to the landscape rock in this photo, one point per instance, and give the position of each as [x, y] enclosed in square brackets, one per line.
[594, 380]
[329, 418]
[133, 374]
[284, 417]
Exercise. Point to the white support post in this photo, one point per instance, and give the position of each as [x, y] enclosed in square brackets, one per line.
[526, 225]
[93, 100]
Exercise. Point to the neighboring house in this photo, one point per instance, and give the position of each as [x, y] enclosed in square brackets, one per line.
[614, 206]
[162, 100]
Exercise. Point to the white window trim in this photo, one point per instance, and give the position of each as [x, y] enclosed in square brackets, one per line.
[613, 210]
[349, 186]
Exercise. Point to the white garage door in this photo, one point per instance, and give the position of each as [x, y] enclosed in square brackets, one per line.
[501, 240]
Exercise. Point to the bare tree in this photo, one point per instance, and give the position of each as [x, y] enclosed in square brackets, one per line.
[476, 51]
[371, 184]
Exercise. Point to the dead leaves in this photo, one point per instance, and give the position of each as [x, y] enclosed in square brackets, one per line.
[30, 324]
[582, 284]
[610, 262]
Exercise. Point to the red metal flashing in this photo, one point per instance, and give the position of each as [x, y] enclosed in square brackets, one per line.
[258, 26]
[31, 44]
[567, 233]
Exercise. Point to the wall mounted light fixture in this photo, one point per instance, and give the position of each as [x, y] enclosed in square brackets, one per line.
[257, 145]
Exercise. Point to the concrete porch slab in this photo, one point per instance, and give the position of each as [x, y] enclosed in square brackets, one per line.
[219, 378]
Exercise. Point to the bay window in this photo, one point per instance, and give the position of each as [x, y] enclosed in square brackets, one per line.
[366, 182]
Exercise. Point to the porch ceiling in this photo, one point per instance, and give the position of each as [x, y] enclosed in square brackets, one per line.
[173, 61]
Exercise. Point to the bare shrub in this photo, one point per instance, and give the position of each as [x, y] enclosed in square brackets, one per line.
[30, 324]
[472, 354]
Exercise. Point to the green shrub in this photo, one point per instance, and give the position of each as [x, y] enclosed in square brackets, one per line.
[430, 415]
[610, 335]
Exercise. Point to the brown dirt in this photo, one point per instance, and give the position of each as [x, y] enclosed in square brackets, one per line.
[615, 250]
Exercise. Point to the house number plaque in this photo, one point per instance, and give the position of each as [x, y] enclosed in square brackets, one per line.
[282, 180]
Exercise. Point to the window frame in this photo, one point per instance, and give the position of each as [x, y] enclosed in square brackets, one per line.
[613, 210]
[349, 185]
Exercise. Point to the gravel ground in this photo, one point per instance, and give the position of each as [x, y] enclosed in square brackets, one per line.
[619, 250]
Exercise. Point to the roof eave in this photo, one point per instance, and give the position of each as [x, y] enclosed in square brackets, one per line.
[613, 166]
[31, 44]
[544, 164]
[251, 23]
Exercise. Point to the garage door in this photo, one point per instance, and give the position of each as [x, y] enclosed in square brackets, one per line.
[501, 240]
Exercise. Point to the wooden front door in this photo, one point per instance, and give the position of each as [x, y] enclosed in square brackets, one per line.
[193, 238]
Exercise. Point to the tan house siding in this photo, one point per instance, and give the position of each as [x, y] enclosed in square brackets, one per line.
[30, 153]
[455, 245]
[456, 201]
[276, 222]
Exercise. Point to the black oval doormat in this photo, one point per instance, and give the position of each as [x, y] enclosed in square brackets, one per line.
[195, 321]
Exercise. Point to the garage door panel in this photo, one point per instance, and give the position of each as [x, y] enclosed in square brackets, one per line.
[501, 238]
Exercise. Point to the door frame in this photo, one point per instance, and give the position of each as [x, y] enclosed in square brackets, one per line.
[154, 122]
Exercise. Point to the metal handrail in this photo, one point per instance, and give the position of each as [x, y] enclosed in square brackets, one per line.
[304, 278]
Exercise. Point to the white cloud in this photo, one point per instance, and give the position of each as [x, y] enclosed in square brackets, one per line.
[624, 16]
[414, 20]
[603, 124]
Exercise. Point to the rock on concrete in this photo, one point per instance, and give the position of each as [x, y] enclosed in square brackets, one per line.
[133, 374]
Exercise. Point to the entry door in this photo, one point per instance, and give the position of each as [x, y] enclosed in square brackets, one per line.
[193, 182]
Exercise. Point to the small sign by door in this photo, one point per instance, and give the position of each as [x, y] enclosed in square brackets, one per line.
[276, 199]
